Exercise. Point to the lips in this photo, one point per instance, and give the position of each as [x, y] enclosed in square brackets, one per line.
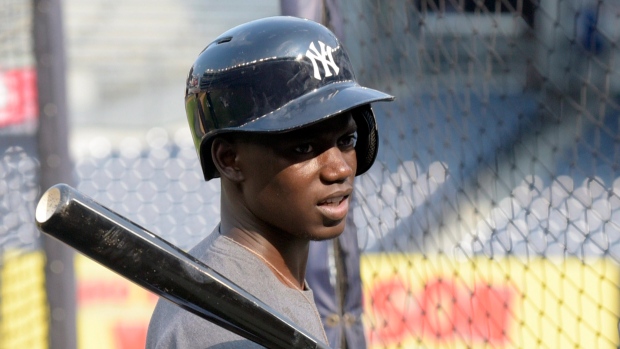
[335, 207]
[333, 201]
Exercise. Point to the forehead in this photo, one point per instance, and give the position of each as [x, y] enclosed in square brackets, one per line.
[337, 124]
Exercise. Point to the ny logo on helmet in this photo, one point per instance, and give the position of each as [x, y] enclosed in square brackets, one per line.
[325, 56]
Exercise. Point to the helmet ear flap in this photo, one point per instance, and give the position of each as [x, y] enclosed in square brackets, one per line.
[367, 144]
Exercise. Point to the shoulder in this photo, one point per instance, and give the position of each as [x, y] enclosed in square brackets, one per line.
[174, 328]
[253, 275]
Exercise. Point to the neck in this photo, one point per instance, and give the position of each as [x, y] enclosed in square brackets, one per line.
[284, 252]
[285, 255]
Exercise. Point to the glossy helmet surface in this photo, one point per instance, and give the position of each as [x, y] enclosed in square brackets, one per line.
[276, 74]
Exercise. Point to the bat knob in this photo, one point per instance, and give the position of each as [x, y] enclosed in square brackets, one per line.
[49, 203]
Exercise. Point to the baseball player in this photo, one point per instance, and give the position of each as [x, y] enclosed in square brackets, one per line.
[276, 113]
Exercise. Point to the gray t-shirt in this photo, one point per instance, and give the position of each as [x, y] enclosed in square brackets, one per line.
[172, 327]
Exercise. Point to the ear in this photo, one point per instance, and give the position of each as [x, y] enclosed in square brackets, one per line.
[224, 155]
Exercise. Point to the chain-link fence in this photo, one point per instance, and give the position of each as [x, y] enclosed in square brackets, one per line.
[491, 219]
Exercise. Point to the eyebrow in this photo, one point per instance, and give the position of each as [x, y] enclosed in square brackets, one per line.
[312, 132]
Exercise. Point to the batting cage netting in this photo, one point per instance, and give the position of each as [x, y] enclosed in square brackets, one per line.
[491, 218]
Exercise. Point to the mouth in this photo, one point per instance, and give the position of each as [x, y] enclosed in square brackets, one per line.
[334, 208]
[335, 201]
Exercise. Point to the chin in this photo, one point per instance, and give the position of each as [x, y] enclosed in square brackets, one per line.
[327, 232]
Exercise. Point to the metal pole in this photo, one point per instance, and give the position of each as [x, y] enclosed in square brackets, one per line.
[56, 166]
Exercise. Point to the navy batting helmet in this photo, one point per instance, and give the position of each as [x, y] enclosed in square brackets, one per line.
[276, 74]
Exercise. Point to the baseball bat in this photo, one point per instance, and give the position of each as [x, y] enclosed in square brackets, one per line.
[164, 269]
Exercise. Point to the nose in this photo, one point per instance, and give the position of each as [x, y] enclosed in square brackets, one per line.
[337, 165]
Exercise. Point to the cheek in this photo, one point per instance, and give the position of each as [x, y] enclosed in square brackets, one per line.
[294, 183]
[289, 192]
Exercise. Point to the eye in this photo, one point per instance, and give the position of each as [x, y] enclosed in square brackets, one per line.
[305, 148]
[348, 140]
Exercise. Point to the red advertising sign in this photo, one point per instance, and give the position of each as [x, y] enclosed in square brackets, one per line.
[442, 311]
[438, 302]
[18, 96]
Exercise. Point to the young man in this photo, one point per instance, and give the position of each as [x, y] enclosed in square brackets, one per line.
[277, 115]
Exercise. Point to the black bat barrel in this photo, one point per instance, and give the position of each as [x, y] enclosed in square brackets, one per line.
[160, 267]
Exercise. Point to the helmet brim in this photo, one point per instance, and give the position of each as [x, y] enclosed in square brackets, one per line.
[316, 106]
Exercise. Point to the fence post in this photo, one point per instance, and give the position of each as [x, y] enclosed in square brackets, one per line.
[56, 166]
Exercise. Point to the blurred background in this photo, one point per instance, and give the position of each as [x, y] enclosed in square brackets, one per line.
[490, 220]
